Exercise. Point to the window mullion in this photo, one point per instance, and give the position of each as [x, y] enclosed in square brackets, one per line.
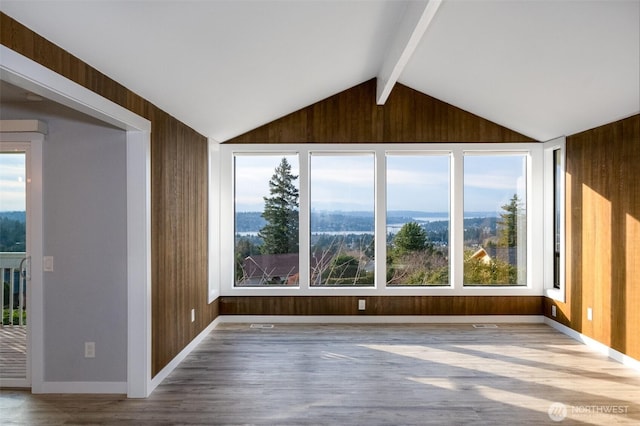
[304, 222]
[456, 236]
[381, 221]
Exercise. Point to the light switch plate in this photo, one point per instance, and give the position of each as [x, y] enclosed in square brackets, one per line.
[47, 263]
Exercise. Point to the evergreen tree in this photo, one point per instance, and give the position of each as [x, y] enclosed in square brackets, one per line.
[509, 224]
[508, 227]
[411, 237]
[280, 233]
[12, 235]
[344, 266]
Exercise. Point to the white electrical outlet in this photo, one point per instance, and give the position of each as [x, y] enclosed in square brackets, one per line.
[590, 314]
[193, 315]
[361, 304]
[553, 311]
[89, 349]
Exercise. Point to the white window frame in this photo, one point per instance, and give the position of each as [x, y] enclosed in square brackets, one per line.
[305, 250]
[535, 212]
[550, 291]
[528, 202]
[383, 247]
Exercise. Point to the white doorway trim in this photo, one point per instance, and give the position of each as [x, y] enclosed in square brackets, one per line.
[25, 73]
[31, 144]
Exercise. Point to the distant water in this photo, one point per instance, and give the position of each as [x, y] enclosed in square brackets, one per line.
[431, 218]
[397, 220]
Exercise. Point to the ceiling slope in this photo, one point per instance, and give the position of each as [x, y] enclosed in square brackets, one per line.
[222, 67]
[544, 68]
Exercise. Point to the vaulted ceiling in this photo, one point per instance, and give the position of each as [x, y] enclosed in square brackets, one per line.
[541, 68]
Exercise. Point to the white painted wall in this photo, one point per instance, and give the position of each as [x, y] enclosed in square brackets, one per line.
[85, 217]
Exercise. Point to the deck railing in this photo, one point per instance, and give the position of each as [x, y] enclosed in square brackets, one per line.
[14, 289]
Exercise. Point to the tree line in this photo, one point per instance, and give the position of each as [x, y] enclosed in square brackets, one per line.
[12, 233]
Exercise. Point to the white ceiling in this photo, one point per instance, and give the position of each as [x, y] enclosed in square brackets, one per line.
[542, 68]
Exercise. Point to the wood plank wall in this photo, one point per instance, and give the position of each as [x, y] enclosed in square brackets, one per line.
[352, 116]
[179, 198]
[408, 116]
[179, 176]
[381, 305]
[603, 235]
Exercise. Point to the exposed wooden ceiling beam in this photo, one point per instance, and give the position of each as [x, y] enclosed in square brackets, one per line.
[414, 24]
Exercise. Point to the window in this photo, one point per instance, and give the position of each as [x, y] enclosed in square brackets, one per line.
[557, 214]
[554, 217]
[495, 218]
[266, 220]
[342, 196]
[418, 210]
[364, 219]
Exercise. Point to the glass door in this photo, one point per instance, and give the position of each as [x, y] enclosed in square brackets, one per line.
[14, 265]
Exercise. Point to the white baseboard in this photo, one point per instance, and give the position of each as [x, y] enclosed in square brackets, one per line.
[121, 387]
[82, 387]
[381, 319]
[158, 378]
[594, 344]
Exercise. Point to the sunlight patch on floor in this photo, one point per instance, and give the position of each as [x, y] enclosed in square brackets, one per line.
[439, 382]
[550, 376]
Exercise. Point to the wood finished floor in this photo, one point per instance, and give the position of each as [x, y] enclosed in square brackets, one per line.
[365, 375]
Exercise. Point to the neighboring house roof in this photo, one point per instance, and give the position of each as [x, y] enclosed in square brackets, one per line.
[505, 254]
[481, 255]
[270, 266]
[278, 267]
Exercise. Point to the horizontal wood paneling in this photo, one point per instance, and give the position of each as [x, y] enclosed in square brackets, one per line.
[178, 201]
[352, 116]
[603, 235]
[381, 305]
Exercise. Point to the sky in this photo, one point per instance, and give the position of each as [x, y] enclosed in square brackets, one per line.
[342, 183]
[419, 183]
[252, 179]
[12, 182]
[415, 182]
[491, 181]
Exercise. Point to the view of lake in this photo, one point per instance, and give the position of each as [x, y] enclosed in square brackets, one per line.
[357, 223]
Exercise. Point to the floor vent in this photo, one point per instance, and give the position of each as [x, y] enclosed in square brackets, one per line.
[261, 326]
[485, 326]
